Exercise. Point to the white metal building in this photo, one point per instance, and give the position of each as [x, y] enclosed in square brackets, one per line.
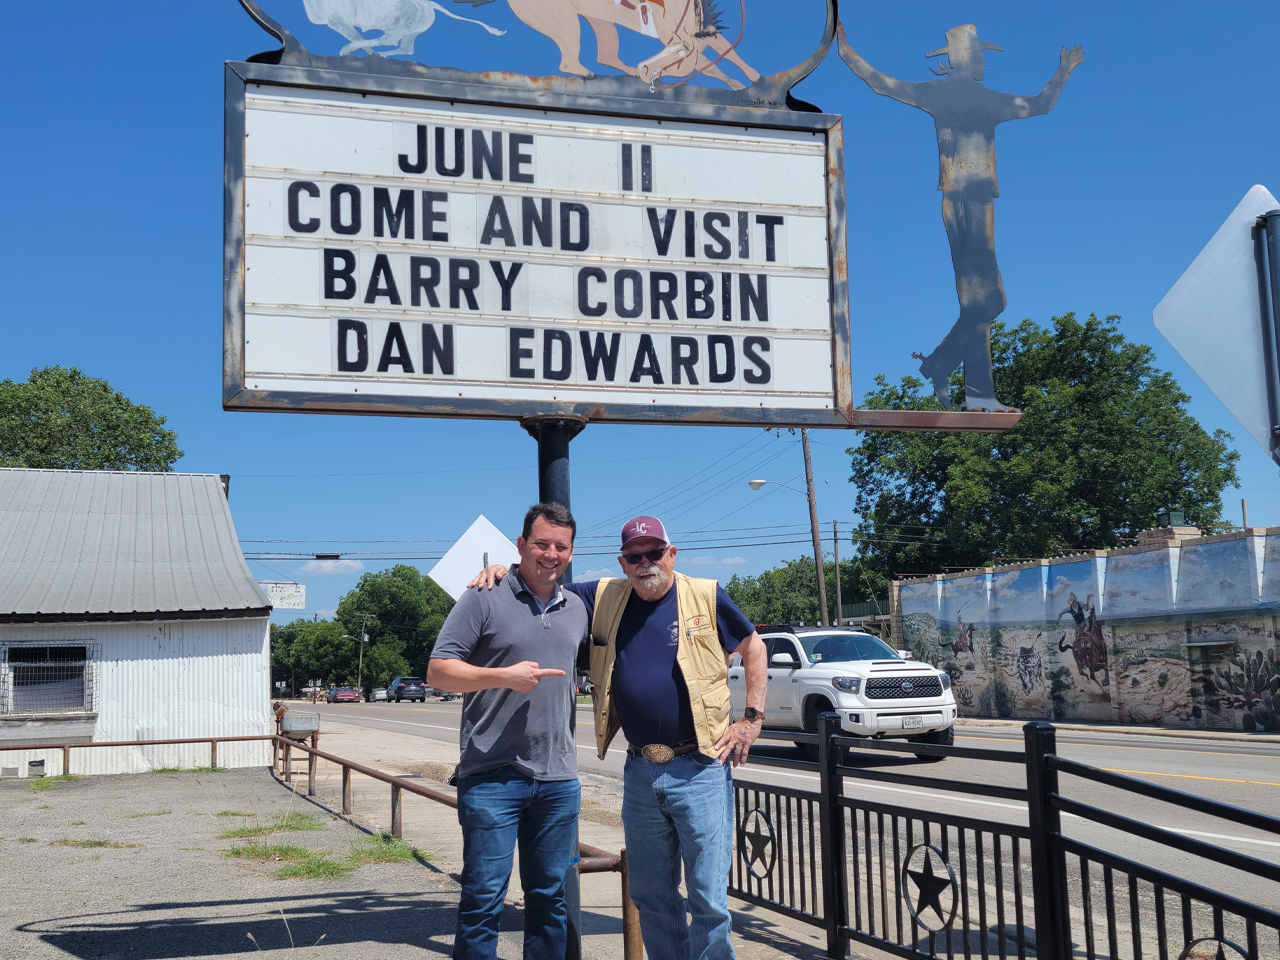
[127, 612]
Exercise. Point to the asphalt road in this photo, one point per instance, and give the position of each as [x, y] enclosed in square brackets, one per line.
[1235, 772]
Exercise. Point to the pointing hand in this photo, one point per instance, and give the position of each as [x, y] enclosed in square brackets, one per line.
[523, 677]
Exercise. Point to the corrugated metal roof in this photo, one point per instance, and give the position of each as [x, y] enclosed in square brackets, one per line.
[119, 545]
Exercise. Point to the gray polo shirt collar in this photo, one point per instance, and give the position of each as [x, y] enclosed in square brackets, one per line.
[518, 586]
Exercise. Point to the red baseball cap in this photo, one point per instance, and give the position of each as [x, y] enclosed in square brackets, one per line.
[642, 527]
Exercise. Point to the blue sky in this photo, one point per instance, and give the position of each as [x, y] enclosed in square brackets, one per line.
[111, 257]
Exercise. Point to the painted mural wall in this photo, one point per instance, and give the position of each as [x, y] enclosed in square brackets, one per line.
[1178, 634]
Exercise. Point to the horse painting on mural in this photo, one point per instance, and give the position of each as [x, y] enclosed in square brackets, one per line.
[398, 22]
[690, 32]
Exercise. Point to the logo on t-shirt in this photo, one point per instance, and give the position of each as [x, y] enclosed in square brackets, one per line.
[675, 634]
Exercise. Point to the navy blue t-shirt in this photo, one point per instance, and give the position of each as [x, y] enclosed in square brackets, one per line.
[648, 688]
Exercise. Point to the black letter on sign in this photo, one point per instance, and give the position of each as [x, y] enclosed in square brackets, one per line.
[498, 224]
[684, 355]
[585, 276]
[336, 194]
[663, 290]
[431, 216]
[699, 304]
[646, 169]
[382, 283]
[628, 178]
[459, 153]
[744, 235]
[593, 357]
[395, 338]
[646, 364]
[516, 159]
[482, 156]
[535, 220]
[296, 223]
[418, 284]
[770, 244]
[620, 281]
[339, 265]
[722, 249]
[382, 212]
[433, 349]
[361, 362]
[458, 284]
[726, 297]
[517, 353]
[690, 234]
[506, 280]
[567, 210]
[751, 348]
[566, 355]
[662, 238]
[756, 298]
[718, 374]
[419, 165]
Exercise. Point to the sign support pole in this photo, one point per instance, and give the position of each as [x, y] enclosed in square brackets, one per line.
[553, 435]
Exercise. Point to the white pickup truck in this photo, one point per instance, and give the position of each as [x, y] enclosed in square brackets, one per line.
[876, 691]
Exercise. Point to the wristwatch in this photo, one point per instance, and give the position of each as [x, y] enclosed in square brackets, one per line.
[751, 715]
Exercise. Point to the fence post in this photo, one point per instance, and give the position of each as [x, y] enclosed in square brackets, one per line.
[311, 774]
[288, 763]
[213, 754]
[346, 789]
[66, 760]
[1048, 865]
[395, 810]
[831, 834]
[632, 943]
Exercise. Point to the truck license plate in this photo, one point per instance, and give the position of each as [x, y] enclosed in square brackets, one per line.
[912, 723]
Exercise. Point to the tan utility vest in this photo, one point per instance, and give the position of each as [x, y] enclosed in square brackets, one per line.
[700, 656]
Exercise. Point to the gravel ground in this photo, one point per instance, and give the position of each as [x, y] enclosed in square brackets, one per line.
[162, 886]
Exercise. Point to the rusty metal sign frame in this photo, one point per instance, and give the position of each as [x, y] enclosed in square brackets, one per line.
[767, 104]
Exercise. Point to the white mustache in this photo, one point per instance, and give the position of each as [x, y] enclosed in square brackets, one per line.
[651, 571]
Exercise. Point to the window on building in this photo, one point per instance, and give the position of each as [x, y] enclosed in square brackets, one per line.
[46, 678]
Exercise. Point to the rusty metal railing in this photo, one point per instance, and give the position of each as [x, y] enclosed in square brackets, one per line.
[66, 748]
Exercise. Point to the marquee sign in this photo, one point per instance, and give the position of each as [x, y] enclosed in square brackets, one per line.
[404, 240]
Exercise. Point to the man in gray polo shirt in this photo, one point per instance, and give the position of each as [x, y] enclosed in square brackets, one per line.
[512, 651]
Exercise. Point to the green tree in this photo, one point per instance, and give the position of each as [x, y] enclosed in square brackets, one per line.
[789, 593]
[60, 419]
[1104, 445]
[406, 612]
[306, 650]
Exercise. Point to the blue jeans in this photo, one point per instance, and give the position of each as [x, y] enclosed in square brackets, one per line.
[498, 809]
[675, 814]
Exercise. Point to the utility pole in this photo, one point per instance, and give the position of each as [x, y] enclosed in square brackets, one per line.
[813, 524]
[363, 639]
[835, 538]
[1244, 513]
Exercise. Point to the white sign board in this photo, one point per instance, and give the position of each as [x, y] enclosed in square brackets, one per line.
[466, 557]
[1213, 318]
[285, 596]
[419, 256]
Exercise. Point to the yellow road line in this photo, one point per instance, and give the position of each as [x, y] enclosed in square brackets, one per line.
[1188, 776]
[1118, 746]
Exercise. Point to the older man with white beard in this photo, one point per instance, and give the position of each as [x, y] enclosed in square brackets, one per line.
[660, 644]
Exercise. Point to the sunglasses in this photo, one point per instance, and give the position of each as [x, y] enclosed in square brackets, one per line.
[653, 556]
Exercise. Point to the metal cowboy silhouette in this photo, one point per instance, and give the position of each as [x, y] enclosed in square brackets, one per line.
[965, 113]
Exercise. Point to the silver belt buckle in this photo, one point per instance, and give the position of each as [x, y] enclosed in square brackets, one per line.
[658, 753]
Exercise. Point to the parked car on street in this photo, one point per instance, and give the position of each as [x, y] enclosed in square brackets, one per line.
[377, 694]
[407, 688]
[343, 695]
[876, 690]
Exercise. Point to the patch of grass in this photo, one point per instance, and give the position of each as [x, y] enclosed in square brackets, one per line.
[191, 848]
[79, 823]
[272, 851]
[282, 822]
[233, 813]
[384, 848]
[186, 770]
[44, 806]
[315, 868]
[67, 842]
[51, 783]
[27, 840]
[155, 813]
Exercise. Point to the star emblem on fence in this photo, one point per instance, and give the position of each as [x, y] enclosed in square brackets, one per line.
[935, 889]
[756, 844]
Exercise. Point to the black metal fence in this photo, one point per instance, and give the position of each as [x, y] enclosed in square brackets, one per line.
[917, 881]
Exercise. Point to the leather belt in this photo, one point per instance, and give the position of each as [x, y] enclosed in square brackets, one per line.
[660, 753]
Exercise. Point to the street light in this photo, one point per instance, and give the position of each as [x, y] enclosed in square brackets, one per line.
[360, 669]
[813, 523]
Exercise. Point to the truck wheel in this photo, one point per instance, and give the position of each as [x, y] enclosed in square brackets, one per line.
[939, 738]
[811, 711]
